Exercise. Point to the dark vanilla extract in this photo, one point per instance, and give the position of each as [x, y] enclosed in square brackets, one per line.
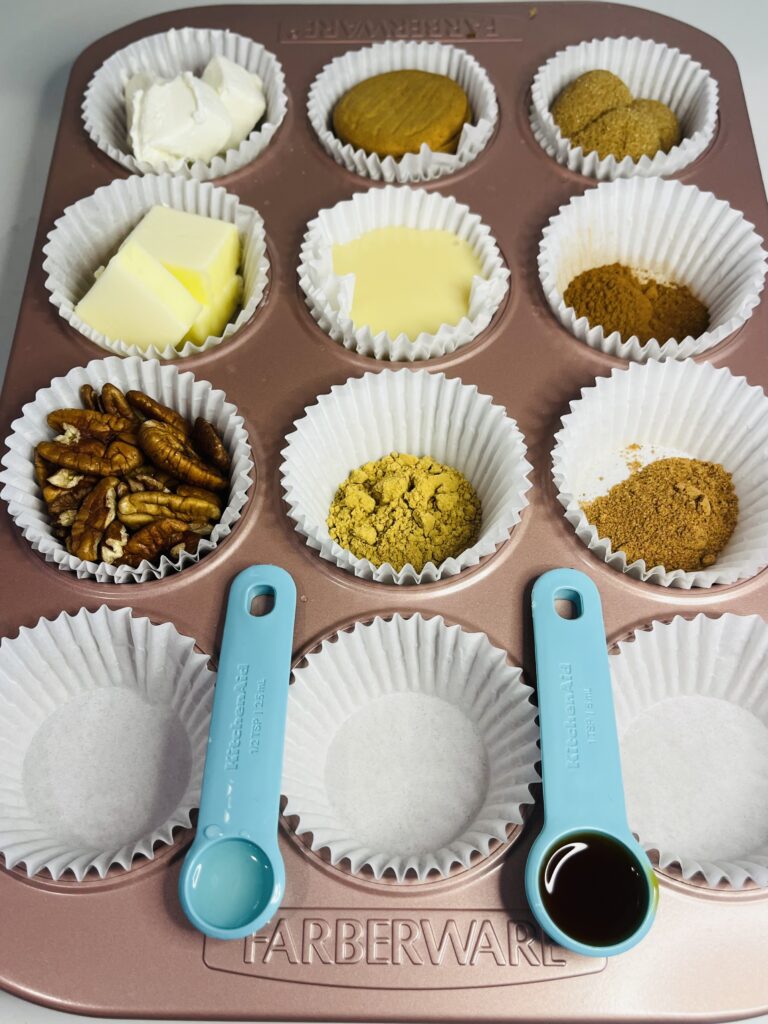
[594, 889]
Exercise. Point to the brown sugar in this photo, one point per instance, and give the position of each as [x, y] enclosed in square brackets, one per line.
[586, 98]
[622, 132]
[677, 513]
[618, 298]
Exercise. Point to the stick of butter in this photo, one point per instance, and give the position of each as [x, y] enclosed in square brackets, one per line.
[137, 300]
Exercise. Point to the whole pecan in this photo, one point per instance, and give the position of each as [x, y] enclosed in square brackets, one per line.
[92, 519]
[208, 442]
[153, 541]
[154, 410]
[171, 452]
[89, 422]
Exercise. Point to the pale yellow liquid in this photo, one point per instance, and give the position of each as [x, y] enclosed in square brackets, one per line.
[408, 280]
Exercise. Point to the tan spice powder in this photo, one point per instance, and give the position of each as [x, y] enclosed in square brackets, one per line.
[678, 513]
[404, 509]
[619, 299]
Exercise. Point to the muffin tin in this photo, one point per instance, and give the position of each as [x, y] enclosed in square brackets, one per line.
[350, 946]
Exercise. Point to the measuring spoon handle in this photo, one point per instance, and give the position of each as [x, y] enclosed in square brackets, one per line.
[243, 768]
[581, 768]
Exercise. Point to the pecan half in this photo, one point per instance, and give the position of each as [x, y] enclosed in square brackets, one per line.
[159, 538]
[146, 506]
[154, 410]
[200, 492]
[92, 519]
[65, 479]
[116, 404]
[43, 468]
[209, 443]
[89, 422]
[89, 396]
[118, 458]
[72, 498]
[168, 450]
[149, 478]
[189, 544]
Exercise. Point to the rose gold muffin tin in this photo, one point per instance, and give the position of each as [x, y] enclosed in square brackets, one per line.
[343, 947]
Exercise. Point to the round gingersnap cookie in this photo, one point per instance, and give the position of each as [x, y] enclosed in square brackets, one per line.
[395, 113]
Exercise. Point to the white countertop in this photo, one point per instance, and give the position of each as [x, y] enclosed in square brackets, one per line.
[41, 39]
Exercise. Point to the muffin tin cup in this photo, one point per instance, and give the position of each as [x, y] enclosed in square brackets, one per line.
[347, 70]
[673, 232]
[669, 409]
[190, 397]
[329, 296]
[167, 54]
[92, 229]
[410, 747]
[417, 413]
[692, 713]
[651, 71]
[103, 734]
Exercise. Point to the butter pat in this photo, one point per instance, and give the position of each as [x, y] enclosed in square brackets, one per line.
[137, 300]
[176, 120]
[214, 317]
[202, 253]
[408, 280]
[242, 94]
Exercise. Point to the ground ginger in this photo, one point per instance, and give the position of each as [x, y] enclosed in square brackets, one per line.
[630, 302]
[404, 509]
[677, 513]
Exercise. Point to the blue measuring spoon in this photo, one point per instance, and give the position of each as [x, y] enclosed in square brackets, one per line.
[589, 883]
[233, 878]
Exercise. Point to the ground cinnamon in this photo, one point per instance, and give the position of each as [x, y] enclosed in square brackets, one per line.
[618, 298]
[678, 513]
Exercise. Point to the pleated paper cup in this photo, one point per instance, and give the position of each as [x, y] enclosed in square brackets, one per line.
[670, 231]
[168, 54]
[691, 702]
[417, 413]
[667, 410]
[410, 747]
[329, 296]
[103, 733]
[91, 231]
[651, 71]
[180, 391]
[343, 72]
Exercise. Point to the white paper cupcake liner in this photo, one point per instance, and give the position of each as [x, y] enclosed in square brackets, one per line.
[168, 54]
[103, 733]
[180, 391]
[417, 413]
[329, 296]
[671, 231]
[671, 409]
[651, 71]
[91, 230]
[347, 70]
[410, 747]
[691, 703]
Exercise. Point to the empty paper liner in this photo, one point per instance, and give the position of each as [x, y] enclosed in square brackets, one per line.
[91, 230]
[167, 54]
[651, 71]
[410, 748]
[688, 410]
[355, 66]
[103, 733]
[417, 413]
[692, 712]
[673, 232]
[329, 296]
[180, 391]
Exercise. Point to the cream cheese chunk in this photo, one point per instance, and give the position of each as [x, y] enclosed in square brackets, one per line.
[241, 92]
[176, 120]
[135, 299]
